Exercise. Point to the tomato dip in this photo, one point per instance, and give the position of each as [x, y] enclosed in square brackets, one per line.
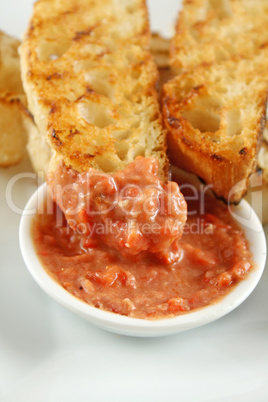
[131, 210]
[168, 269]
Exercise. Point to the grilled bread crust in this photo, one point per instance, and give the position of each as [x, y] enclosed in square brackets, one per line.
[91, 82]
[215, 108]
[12, 99]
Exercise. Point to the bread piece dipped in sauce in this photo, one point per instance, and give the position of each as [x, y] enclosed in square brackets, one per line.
[91, 84]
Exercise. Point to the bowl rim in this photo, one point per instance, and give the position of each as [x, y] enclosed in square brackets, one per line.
[135, 326]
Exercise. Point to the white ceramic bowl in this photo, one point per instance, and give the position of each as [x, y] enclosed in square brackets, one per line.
[138, 327]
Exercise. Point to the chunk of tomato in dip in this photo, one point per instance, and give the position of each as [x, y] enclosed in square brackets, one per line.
[130, 210]
[190, 272]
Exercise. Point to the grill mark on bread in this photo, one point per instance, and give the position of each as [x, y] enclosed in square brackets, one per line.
[218, 157]
[86, 32]
[243, 151]
[56, 138]
[54, 75]
[73, 132]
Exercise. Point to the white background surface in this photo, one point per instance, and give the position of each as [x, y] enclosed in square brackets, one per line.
[47, 354]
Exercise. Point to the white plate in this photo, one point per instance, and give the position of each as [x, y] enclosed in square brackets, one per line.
[47, 354]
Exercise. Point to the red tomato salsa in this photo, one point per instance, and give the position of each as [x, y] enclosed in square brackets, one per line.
[131, 210]
[155, 280]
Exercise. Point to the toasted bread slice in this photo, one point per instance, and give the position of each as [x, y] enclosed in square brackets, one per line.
[91, 82]
[13, 135]
[215, 117]
[210, 31]
[38, 149]
[214, 109]
[10, 77]
[12, 132]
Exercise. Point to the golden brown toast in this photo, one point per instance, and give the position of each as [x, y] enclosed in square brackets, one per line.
[214, 109]
[209, 31]
[10, 79]
[215, 118]
[13, 135]
[91, 82]
[12, 132]
[39, 150]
